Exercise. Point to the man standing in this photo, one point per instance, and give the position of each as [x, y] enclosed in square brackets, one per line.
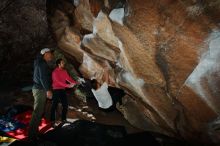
[41, 89]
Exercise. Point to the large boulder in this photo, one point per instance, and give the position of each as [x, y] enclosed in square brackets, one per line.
[163, 54]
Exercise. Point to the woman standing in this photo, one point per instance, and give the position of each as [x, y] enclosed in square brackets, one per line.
[60, 81]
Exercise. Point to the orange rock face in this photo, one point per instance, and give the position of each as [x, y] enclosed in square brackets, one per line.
[165, 55]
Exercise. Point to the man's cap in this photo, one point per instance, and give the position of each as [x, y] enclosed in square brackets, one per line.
[45, 50]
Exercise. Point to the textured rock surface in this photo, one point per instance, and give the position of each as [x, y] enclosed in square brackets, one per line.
[164, 54]
[23, 31]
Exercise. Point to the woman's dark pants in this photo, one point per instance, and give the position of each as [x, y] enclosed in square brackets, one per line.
[59, 95]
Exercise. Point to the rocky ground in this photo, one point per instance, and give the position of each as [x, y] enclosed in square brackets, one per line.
[77, 108]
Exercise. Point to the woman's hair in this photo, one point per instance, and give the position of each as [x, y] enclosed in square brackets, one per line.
[58, 61]
[94, 84]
